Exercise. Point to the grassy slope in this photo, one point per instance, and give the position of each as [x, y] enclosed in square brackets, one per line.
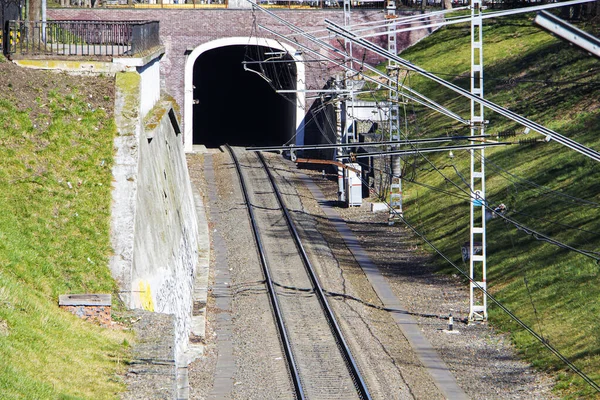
[554, 290]
[55, 182]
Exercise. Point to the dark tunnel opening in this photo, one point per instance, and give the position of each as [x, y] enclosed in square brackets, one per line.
[240, 107]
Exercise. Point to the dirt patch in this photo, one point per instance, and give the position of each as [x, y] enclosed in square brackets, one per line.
[32, 90]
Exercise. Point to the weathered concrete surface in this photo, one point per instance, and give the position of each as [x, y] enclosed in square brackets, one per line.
[166, 232]
[152, 373]
[154, 222]
[198, 328]
[150, 87]
[129, 131]
[78, 67]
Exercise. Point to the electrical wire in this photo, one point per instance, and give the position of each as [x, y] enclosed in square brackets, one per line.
[514, 317]
[555, 222]
[515, 81]
[541, 189]
[542, 237]
[521, 227]
[282, 78]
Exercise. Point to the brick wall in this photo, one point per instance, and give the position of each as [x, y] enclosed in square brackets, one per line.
[90, 307]
[183, 30]
[97, 314]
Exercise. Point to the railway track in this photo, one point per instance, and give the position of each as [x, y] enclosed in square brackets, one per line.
[320, 363]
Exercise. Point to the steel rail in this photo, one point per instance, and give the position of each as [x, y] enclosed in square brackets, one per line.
[269, 281]
[361, 385]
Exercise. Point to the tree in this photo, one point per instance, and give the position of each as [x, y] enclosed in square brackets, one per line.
[35, 10]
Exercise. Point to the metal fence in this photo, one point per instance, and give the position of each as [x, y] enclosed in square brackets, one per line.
[183, 4]
[367, 4]
[82, 38]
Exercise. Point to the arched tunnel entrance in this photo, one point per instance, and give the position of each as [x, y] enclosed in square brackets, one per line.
[234, 98]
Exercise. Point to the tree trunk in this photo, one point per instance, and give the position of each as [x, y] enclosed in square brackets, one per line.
[35, 10]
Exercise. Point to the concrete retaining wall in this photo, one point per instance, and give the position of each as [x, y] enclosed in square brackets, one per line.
[150, 87]
[165, 250]
[154, 225]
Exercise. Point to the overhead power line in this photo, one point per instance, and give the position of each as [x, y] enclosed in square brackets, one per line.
[338, 30]
[464, 20]
[505, 309]
[345, 34]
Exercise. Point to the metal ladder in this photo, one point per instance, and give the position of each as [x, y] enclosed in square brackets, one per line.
[477, 262]
[394, 121]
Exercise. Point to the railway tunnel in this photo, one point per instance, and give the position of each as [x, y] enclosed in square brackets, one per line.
[235, 99]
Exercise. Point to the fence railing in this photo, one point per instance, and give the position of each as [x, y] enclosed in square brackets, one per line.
[368, 4]
[82, 38]
[293, 4]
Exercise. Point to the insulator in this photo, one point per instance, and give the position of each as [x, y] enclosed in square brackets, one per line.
[507, 134]
[530, 141]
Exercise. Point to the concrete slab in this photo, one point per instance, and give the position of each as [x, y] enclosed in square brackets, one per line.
[202, 149]
[379, 207]
[202, 268]
[225, 369]
[87, 299]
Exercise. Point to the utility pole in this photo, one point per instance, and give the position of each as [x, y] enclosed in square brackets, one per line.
[394, 119]
[340, 107]
[477, 235]
[350, 130]
[340, 111]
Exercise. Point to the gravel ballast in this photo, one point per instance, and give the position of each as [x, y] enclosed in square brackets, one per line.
[482, 361]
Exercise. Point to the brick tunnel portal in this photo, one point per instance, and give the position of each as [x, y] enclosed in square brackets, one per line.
[235, 100]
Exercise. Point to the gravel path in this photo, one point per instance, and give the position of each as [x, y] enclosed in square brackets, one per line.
[258, 366]
[483, 362]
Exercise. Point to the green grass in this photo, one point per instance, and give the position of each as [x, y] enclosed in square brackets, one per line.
[55, 196]
[554, 290]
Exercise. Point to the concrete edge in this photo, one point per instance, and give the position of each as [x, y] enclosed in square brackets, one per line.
[197, 338]
[163, 107]
[73, 66]
[118, 64]
[202, 270]
[125, 174]
[128, 62]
